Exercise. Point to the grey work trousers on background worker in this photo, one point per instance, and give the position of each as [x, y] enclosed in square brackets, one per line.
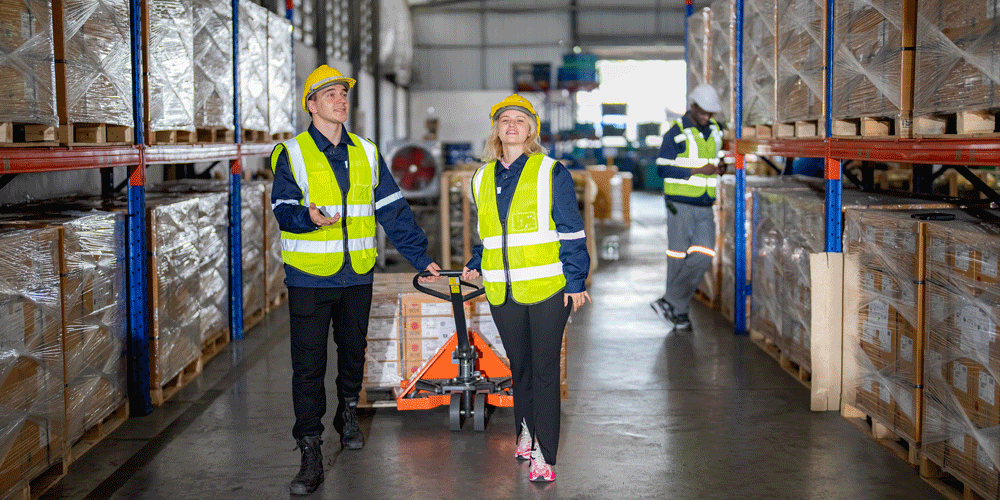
[690, 248]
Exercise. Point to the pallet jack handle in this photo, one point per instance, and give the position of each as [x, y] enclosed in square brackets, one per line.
[456, 298]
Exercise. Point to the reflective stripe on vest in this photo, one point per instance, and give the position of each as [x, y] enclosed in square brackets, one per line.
[321, 252]
[698, 151]
[525, 251]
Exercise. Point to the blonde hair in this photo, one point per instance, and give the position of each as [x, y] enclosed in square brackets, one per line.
[494, 148]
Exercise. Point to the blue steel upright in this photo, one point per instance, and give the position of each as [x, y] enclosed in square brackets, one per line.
[688, 11]
[235, 219]
[138, 304]
[832, 168]
[740, 217]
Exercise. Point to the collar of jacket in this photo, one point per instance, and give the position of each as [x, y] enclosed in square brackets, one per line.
[322, 142]
[687, 122]
[515, 168]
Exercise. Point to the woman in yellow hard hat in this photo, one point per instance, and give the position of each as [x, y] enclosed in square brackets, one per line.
[534, 263]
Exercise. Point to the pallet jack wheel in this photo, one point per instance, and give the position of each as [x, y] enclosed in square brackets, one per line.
[455, 412]
[479, 412]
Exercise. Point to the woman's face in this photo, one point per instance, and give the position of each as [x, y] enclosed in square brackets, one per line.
[514, 127]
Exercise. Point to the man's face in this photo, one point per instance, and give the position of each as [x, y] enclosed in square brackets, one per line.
[330, 104]
[700, 116]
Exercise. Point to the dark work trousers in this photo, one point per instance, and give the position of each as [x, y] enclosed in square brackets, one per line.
[311, 311]
[690, 236]
[532, 336]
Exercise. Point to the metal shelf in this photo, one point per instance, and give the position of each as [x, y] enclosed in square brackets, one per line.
[946, 151]
[26, 160]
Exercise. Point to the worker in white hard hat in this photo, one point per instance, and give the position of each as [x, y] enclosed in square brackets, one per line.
[331, 188]
[534, 263]
[689, 163]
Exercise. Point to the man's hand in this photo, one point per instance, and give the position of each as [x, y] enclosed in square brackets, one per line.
[706, 169]
[469, 274]
[319, 219]
[578, 299]
[722, 166]
[433, 268]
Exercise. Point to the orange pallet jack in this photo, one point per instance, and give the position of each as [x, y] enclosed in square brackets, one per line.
[472, 380]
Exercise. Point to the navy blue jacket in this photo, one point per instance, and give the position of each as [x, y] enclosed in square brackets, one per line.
[396, 217]
[565, 213]
[670, 149]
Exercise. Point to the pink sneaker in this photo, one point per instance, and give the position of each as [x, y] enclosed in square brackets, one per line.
[540, 471]
[523, 450]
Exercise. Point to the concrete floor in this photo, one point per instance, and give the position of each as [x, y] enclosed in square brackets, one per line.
[651, 415]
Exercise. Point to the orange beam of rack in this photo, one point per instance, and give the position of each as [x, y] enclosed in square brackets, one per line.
[938, 150]
[795, 148]
[25, 160]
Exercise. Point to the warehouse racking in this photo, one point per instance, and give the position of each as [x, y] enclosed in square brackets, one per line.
[956, 153]
[135, 158]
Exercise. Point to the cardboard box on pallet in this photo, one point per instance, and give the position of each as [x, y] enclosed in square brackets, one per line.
[169, 70]
[253, 68]
[274, 268]
[213, 66]
[801, 49]
[32, 435]
[27, 77]
[759, 62]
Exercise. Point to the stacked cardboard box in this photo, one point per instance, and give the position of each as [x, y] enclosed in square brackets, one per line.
[789, 226]
[274, 268]
[170, 66]
[759, 62]
[883, 328]
[872, 74]
[958, 58]
[252, 231]
[213, 64]
[253, 68]
[427, 323]
[383, 363]
[962, 355]
[32, 400]
[280, 75]
[27, 65]
[722, 61]
[699, 49]
[801, 57]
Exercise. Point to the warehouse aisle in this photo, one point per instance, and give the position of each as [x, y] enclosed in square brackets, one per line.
[650, 415]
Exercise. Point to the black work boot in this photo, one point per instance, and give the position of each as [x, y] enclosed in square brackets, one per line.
[346, 423]
[311, 472]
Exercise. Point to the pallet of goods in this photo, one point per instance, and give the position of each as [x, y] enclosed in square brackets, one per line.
[169, 71]
[760, 67]
[722, 60]
[213, 71]
[699, 47]
[281, 78]
[254, 114]
[27, 74]
[801, 57]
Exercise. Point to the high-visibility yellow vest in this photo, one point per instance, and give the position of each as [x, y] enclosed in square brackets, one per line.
[698, 151]
[321, 252]
[525, 253]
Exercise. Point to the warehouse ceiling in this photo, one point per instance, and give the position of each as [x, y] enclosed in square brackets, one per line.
[611, 29]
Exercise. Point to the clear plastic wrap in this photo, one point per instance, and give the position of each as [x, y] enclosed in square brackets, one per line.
[274, 266]
[281, 75]
[213, 261]
[98, 62]
[27, 63]
[169, 59]
[961, 424]
[958, 57]
[252, 232]
[175, 277]
[883, 336]
[213, 64]
[801, 59]
[722, 60]
[253, 67]
[759, 60]
[867, 65]
[788, 226]
[698, 47]
[31, 356]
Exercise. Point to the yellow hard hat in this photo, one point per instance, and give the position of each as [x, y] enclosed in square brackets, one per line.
[320, 78]
[519, 103]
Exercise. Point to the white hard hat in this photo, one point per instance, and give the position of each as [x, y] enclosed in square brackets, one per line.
[706, 98]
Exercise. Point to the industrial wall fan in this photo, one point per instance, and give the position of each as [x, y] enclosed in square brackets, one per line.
[416, 167]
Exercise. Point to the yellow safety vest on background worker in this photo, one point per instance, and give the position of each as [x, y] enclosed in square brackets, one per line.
[698, 150]
[321, 252]
[526, 255]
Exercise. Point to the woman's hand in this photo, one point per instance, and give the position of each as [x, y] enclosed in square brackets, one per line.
[469, 274]
[578, 299]
[434, 269]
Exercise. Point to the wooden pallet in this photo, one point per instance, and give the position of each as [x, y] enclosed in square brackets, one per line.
[253, 319]
[14, 134]
[43, 482]
[945, 483]
[972, 123]
[282, 136]
[868, 126]
[800, 128]
[99, 431]
[705, 299]
[758, 131]
[276, 302]
[797, 371]
[215, 135]
[172, 137]
[902, 447]
[210, 348]
[257, 136]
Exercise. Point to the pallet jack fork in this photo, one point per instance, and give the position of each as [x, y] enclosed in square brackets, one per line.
[472, 380]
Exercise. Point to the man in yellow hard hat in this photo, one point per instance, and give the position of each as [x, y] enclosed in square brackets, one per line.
[331, 188]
